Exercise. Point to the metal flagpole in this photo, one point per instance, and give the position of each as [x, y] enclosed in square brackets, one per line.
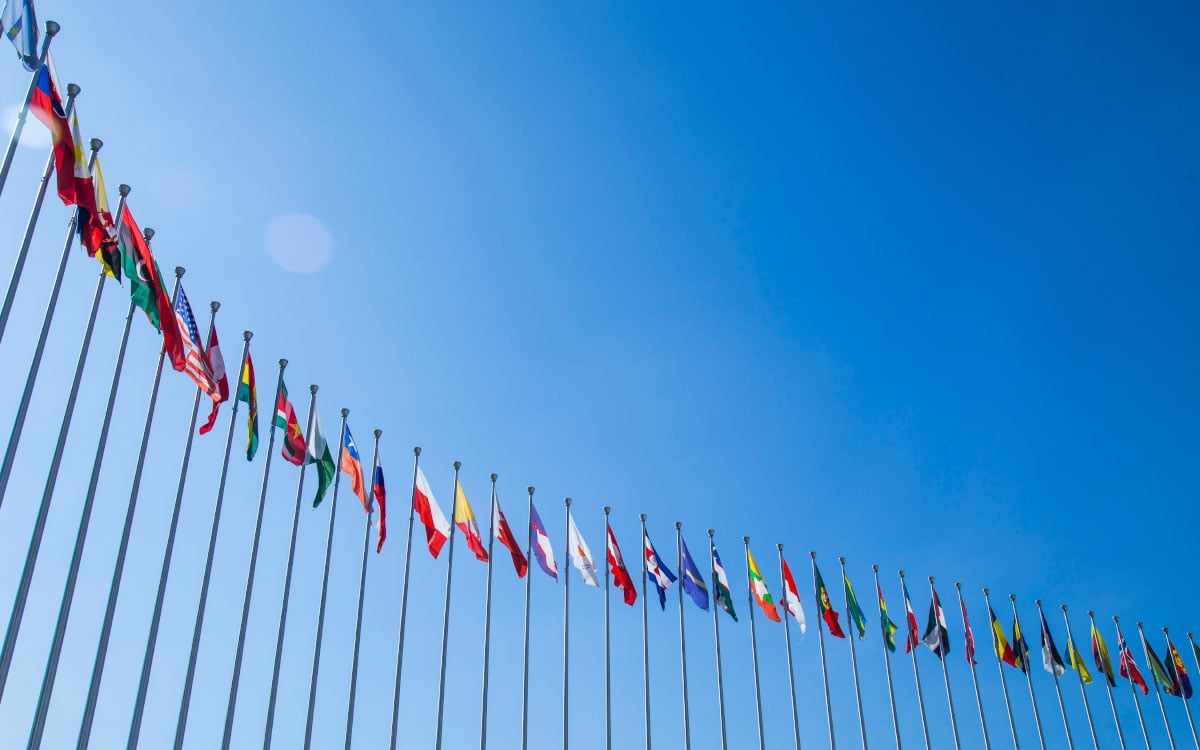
[821, 644]
[262, 502]
[446, 612]
[1057, 690]
[525, 647]
[139, 706]
[1086, 706]
[189, 679]
[23, 252]
[362, 590]
[946, 675]
[1157, 692]
[687, 723]
[1012, 725]
[1196, 660]
[566, 621]
[1137, 705]
[52, 28]
[862, 726]
[316, 668]
[1037, 719]
[787, 639]
[645, 638]
[712, 572]
[14, 437]
[887, 662]
[1186, 709]
[962, 608]
[754, 650]
[607, 669]
[287, 578]
[1111, 703]
[403, 606]
[912, 649]
[487, 620]
[89, 711]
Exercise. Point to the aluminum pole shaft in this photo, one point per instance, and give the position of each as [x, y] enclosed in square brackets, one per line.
[52, 28]
[645, 640]
[862, 725]
[607, 668]
[712, 574]
[362, 591]
[887, 661]
[1012, 725]
[1062, 707]
[762, 742]
[687, 723]
[962, 607]
[403, 607]
[821, 647]
[487, 620]
[911, 648]
[1133, 691]
[525, 647]
[446, 615]
[1107, 686]
[1037, 719]
[1071, 647]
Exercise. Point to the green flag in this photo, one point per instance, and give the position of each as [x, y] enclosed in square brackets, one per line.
[721, 592]
[1169, 686]
[889, 627]
[318, 453]
[855, 611]
[248, 393]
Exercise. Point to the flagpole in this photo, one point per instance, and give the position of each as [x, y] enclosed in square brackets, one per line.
[962, 608]
[487, 621]
[287, 578]
[1012, 725]
[862, 726]
[645, 638]
[139, 707]
[912, 650]
[787, 639]
[1186, 709]
[23, 252]
[607, 669]
[1136, 704]
[362, 590]
[754, 650]
[1057, 690]
[1086, 706]
[446, 614]
[114, 589]
[403, 606]
[887, 662]
[1037, 719]
[262, 502]
[821, 643]
[712, 563]
[52, 28]
[1112, 704]
[1157, 692]
[14, 437]
[945, 673]
[566, 620]
[185, 701]
[525, 647]
[687, 724]
[1196, 661]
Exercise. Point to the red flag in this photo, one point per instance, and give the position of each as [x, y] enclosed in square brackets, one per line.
[970, 646]
[914, 637]
[1129, 668]
[616, 565]
[506, 537]
[216, 364]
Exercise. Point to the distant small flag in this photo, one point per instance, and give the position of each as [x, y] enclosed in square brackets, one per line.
[690, 578]
[1051, 661]
[318, 453]
[248, 393]
[1101, 658]
[1075, 659]
[464, 518]
[657, 572]
[853, 610]
[824, 606]
[146, 288]
[579, 553]
[1128, 667]
[616, 567]
[82, 192]
[97, 232]
[1004, 652]
[18, 22]
[505, 535]
[1178, 672]
[1159, 671]
[1020, 647]
[969, 639]
[216, 363]
[379, 489]
[437, 528]
[791, 596]
[937, 636]
[294, 448]
[758, 587]
[352, 467]
[195, 363]
[541, 544]
[885, 622]
[47, 105]
[722, 594]
[913, 637]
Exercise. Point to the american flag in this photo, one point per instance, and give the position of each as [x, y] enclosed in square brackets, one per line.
[196, 366]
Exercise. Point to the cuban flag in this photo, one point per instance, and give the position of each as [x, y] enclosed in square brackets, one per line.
[18, 22]
[657, 572]
[541, 544]
[380, 493]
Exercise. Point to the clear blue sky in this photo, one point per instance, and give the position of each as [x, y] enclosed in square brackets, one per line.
[916, 287]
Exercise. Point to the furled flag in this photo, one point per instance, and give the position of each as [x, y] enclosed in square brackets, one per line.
[758, 587]
[824, 606]
[693, 582]
[47, 105]
[318, 453]
[913, 638]
[657, 571]
[146, 289]
[616, 566]
[437, 528]
[195, 361]
[1159, 671]
[1128, 667]
[936, 636]
[1177, 671]
[464, 518]
[1195, 649]
[579, 554]
[505, 535]
[1101, 658]
[18, 22]
[294, 447]
[791, 596]
[379, 490]
[541, 544]
[1075, 659]
[1020, 647]
[248, 393]
[97, 233]
[352, 467]
[217, 364]
[722, 594]
[885, 622]
[1051, 661]
[82, 192]
[853, 610]
[1004, 652]
[969, 638]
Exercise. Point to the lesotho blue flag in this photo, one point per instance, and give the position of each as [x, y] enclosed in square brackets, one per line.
[693, 582]
[18, 22]
[657, 571]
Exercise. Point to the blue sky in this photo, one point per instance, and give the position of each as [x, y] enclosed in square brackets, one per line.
[910, 287]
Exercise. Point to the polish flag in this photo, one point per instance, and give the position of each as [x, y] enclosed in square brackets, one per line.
[437, 528]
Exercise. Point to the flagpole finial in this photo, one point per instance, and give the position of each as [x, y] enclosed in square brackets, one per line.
[1189, 635]
[1164, 631]
[123, 189]
[1038, 602]
[678, 525]
[1091, 613]
[1064, 608]
[812, 554]
[930, 580]
[282, 363]
[378, 433]
[874, 568]
[529, 490]
[179, 270]
[780, 548]
[494, 476]
[457, 465]
[247, 335]
[643, 516]
[607, 509]
[96, 144]
[710, 533]
[148, 233]
[567, 502]
[842, 560]
[901, 572]
[958, 585]
[417, 451]
[745, 540]
[73, 89]
[313, 389]
[52, 28]
[986, 591]
[1115, 618]
[1012, 598]
[214, 305]
[1139, 625]
[345, 413]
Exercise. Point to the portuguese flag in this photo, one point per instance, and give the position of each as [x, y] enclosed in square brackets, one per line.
[285, 419]
[247, 393]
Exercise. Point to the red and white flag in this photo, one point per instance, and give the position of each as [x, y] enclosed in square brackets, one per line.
[505, 536]
[914, 636]
[437, 528]
[216, 364]
[616, 565]
[791, 596]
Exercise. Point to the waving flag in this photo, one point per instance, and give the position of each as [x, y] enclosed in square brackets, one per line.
[380, 491]
[1157, 670]
[690, 578]
[195, 364]
[721, 593]
[1128, 667]
[1076, 660]
[437, 528]
[248, 393]
[294, 447]
[97, 232]
[969, 637]
[318, 453]
[579, 554]
[504, 534]
[18, 22]
[352, 467]
[853, 609]
[885, 622]
[1177, 671]
[1101, 658]
[1020, 647]
[82, 192]
[657, 571]
[616, 566]
[791, 596]
[914, 635]
[1051, 661]
[1004, 651]
[758, 587]
[220, 379]
[541, 544]
[824, 606]
[936, 637]
[146, 288]
[47, 105]
[464, 517]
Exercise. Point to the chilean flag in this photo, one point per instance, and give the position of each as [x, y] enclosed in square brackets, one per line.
[541, 544]
[47, 105]
[352, 465]
[620, 574]
[380, 493]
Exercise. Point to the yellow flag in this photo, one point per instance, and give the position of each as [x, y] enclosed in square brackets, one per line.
[1077, 662]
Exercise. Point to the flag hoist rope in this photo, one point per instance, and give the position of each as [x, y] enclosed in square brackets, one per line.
[52, 29]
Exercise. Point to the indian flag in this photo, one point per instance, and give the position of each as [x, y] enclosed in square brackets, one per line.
[759, 588]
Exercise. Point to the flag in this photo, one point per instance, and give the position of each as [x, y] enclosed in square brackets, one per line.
[294, 447]
[828, 613]
[579, 554]
[217, 364]
[885, 622]
[758, 587]
[18, 22]
[913, 638]
[1177, 671]
[616, 566]
[97, 233]
[248, 393]
[936, 636]
[195, 361]
[1128, 667]
[721, 592]
[1076, 660]
[853, 610]
[318, 453]
[1100, 656]
[146, 289]
[791, 596]
[380, 491]
[504, 534]
[464, 518]
[1004, 652]
[541, 544]
[47, 105]
[657, 571]
[969, 638]
[437, 528]
[352, 467]
[1195, 649]
[1051, 661]
[690, 578]
[1020, 647]
[82, 192]
[1159, 671]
